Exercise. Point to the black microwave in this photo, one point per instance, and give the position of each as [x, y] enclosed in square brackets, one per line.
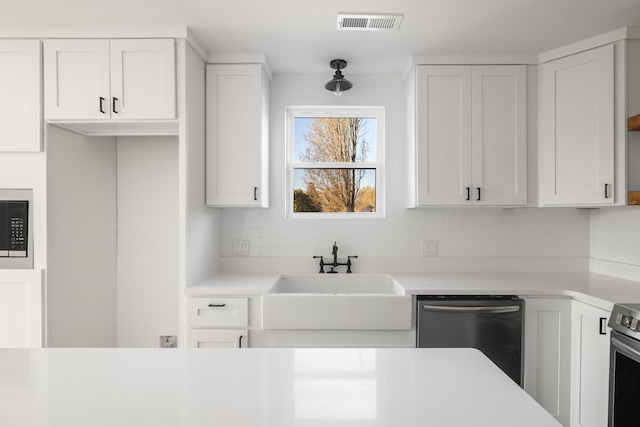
[16, 242]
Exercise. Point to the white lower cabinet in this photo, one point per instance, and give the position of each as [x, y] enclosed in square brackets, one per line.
[218, 322]
[547, 354]
[589, 365]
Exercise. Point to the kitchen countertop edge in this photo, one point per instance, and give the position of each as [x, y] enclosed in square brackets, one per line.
[592, 288]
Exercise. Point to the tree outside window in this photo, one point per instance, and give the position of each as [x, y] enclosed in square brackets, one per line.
[334, 166]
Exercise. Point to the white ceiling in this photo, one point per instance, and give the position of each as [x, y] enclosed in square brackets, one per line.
[300, 36]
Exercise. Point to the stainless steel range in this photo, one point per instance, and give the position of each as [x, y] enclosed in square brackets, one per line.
[624, 365]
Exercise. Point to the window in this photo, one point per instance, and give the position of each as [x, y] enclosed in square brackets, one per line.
[335, 161]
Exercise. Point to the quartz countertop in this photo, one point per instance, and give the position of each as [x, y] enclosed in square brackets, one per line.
[260, 387]
[596, 289]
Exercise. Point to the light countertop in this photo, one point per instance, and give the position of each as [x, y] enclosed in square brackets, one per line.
[594, 288]
[260, 387]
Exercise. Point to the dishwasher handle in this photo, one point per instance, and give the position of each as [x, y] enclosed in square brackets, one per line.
[474, 309]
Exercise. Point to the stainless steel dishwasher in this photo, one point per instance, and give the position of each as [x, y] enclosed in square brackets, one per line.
[491, 323]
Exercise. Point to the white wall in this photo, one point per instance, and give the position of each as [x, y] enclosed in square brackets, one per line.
[462, 233]
[81, 240]
[147, 248]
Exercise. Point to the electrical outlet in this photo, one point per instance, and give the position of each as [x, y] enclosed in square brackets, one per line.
[429, 247]
[240, 247]
[168, 341]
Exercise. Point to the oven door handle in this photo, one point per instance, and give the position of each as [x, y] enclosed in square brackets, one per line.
[482, 309]
[619, 344]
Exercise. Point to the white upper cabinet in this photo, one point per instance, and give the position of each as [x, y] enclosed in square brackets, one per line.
[443, 133]
[109, 79]
[20, 96]
[577, 137]
[237, 135]
[469, 136]
[499, 135]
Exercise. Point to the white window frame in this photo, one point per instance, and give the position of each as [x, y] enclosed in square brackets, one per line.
[378, 165]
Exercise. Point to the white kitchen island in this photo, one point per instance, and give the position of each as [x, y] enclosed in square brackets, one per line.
[276, 387]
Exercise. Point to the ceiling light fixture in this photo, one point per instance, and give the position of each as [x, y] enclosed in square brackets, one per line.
[338, 84]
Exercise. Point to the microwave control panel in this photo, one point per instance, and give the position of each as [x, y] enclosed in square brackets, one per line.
[16, 233]
[14, 220]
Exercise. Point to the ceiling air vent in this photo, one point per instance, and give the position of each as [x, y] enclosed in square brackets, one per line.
[368, 22]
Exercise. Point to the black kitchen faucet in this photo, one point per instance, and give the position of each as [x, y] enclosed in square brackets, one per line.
[335, 263]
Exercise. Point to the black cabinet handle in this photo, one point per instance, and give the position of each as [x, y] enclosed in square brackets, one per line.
[603, 326]
[255, 193]
[478, 188]
[113, 105]
[240, 342]
[100, 105]
[217, 305]
[468, 193]
[606, 191]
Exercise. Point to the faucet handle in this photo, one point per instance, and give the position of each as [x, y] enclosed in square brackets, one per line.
[349, 262]
[321, 263]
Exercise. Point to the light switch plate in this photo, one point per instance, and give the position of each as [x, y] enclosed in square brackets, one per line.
[429, 247]
[240, 247]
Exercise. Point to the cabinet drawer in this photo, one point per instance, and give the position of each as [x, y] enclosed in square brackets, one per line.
[218, 312]
[216, 338]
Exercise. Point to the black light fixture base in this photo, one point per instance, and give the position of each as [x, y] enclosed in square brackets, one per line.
[338, 64]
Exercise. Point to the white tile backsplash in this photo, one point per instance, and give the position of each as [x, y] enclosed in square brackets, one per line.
[615, 241]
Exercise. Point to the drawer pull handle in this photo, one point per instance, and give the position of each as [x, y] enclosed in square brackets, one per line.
[113, 105]
[603, 326]
[468, 193]
[240, 342]
[217, 305]
[100, 104]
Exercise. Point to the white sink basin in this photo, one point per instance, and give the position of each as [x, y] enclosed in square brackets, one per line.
[337, 284]
[336, 302]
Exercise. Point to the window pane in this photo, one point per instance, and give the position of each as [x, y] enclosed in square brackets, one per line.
[334, 190]
[331, 139]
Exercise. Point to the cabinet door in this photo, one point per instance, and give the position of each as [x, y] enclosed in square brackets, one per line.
[547, 358]
[577, 145]
[443, 132]
[76, 79]
[20, 95]
[499, 135]
[142, 79]
[590, 366]
[217, 338]
[236, 136]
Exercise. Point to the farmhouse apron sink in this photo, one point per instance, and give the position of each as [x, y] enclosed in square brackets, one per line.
[336, 302]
